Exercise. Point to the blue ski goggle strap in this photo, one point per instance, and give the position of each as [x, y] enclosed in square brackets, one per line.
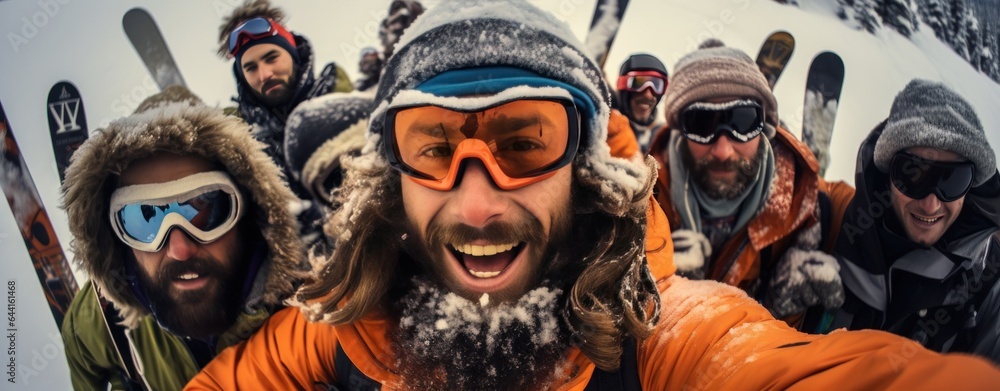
[704, 122]
[205, 205]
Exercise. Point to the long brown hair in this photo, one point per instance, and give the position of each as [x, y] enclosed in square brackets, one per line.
[612, 296]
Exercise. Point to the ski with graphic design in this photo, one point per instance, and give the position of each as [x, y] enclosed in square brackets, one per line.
[149, 43]
[774, 55]
[67, 123]
[604, 27]
[823, 86]
[51, 266]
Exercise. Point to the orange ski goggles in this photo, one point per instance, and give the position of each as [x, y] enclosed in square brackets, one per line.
[519, 142]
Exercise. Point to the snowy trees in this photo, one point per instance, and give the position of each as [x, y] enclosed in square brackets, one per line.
[957, 35]
[935, 15]
[864, 13]
[954, 22]
[988, 59]
[897, 15]
[973, 41]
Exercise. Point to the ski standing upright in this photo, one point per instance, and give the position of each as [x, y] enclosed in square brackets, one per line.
[51, 266]
[774, 55]
[67, 123]
[819, 111]
[148, 42]
[604, 27]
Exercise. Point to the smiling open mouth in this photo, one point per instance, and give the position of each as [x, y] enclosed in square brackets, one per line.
[486, 261]
[190, 280]
[925, 219]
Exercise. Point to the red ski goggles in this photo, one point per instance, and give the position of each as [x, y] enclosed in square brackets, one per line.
[520, 142]
[917, 177]
[704, 122]
[254, 29]
[636, 81]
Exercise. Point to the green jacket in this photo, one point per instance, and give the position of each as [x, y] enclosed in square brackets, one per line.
[175, 122]
[164, 360]
[93, 361]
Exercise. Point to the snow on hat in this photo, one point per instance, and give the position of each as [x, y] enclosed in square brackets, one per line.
[716, 71]
[470, 34]
[171, 95]
[319, 132]
[929, 114]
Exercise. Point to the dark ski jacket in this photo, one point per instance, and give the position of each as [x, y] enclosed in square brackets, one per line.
[167, 361]
[268, 124]
[946, 297]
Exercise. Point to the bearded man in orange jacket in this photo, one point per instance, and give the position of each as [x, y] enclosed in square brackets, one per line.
[488, 240]
[745, 200]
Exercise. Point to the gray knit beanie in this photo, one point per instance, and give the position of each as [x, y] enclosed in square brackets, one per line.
[928, 114]
[716, 71]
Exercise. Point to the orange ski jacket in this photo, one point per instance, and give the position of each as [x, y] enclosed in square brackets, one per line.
[710, 336]
[790, 207]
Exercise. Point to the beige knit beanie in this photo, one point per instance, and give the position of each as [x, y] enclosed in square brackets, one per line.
[716, 71]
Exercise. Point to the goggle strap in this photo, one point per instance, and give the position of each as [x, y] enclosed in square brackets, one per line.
[179, 190]
[721, 106]
[410, 98]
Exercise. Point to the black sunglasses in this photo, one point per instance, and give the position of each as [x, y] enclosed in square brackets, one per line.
[917, 177]
[704, 122]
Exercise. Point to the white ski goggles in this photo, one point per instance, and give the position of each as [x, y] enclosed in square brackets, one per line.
[205, 205]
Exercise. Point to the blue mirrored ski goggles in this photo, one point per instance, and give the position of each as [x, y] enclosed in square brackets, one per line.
[205, 205]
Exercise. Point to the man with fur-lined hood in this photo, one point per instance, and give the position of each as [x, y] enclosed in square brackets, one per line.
[181, 222]
[745, 202]
[488, 240]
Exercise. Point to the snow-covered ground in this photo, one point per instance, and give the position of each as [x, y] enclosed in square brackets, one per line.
[83, 42]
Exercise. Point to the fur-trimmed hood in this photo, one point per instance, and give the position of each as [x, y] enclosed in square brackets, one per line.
[182, 126]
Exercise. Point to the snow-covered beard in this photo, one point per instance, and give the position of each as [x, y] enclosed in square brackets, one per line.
[444, 341]
[746, 172]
